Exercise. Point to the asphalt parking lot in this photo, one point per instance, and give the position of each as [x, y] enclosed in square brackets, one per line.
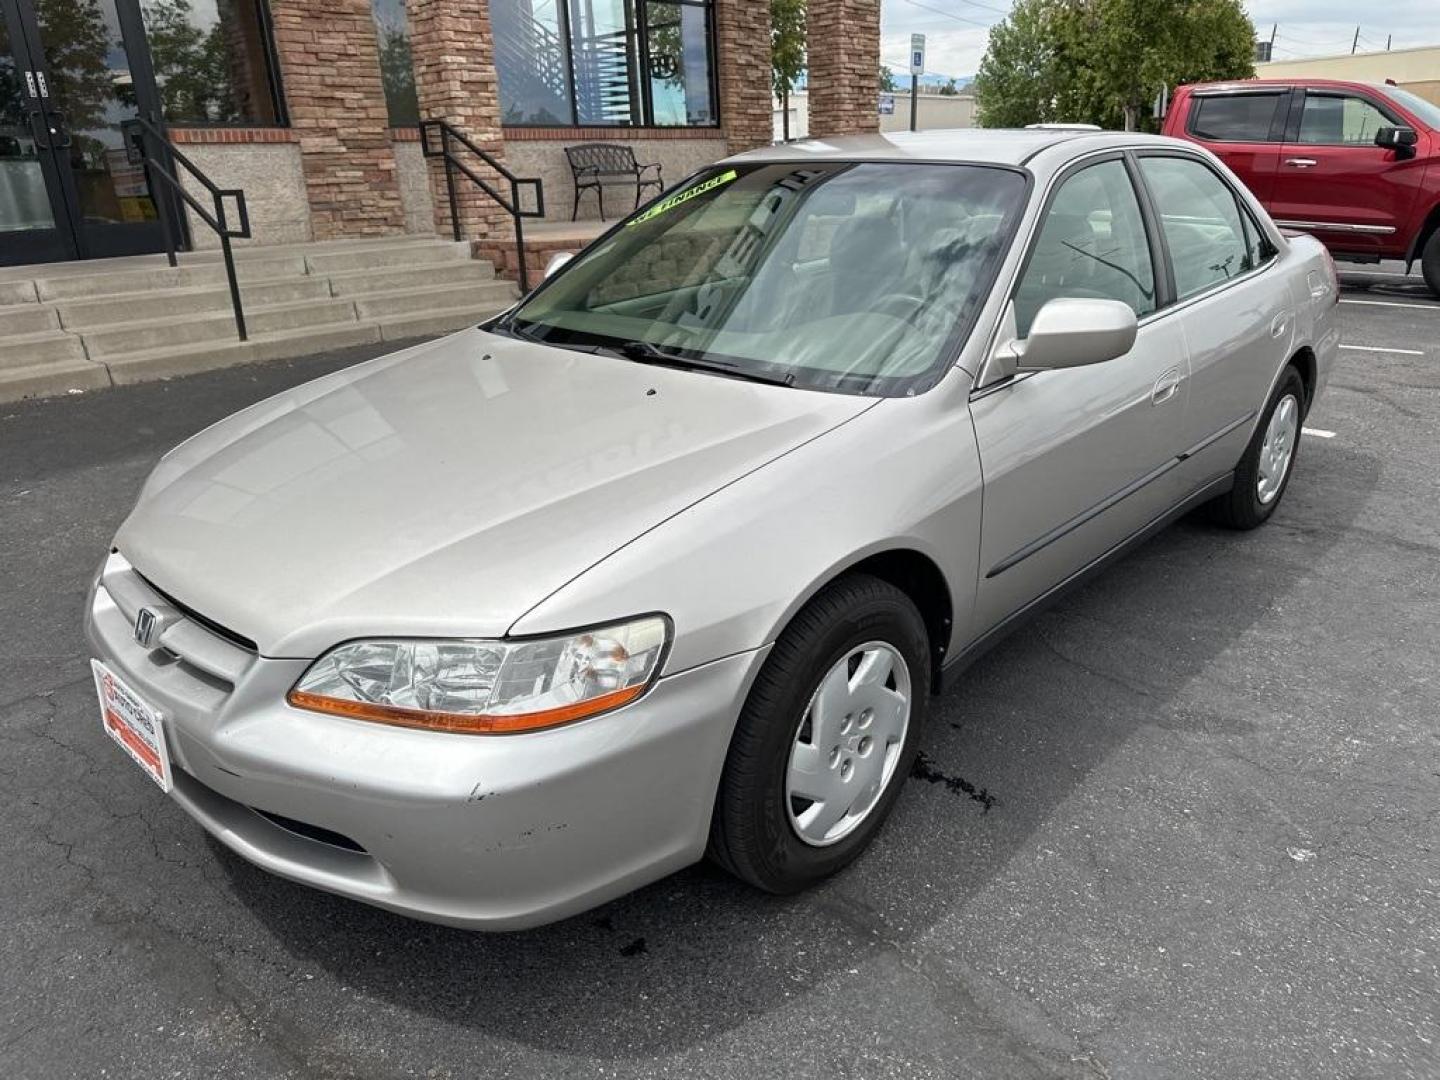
[1183, 825]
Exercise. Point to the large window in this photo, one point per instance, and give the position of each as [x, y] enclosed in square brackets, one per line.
[212, 61]
[605, 62]
[392, 30]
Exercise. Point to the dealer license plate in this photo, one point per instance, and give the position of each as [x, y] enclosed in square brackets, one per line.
[132, 723]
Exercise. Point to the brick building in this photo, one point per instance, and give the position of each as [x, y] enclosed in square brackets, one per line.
[311, 106]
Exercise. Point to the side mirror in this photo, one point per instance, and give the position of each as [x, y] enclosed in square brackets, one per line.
[559, 259]
[1400, 139]
[1074, 332]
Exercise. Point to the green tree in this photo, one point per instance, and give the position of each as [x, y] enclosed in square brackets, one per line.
[887, 80]
[1104, 61]
[949, 89]
[787, 52]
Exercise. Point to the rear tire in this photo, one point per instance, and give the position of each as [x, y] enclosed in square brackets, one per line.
[1430, 262]
[1264, 472]
[760, 825]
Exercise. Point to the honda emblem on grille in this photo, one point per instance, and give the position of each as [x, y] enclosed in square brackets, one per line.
[146, 622]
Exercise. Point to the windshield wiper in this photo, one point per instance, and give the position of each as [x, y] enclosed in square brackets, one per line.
[643, 352]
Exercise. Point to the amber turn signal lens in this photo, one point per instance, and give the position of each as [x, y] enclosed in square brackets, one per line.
[459, 722]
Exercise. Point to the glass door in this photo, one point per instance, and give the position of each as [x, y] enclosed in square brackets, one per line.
[34, 223]
[90, 70]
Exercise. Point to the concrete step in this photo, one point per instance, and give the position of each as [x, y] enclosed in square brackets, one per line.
[27, 319]
[390, 256]
[47, 380]
[477, 294]
[172, 303]
[47, 347]
[17, 292]
[164, 363]
[370, 282]
[106, 283]
[105, 342]
[250, 250]
[427, 323]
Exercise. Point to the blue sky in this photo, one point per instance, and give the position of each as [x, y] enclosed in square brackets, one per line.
[956, 30]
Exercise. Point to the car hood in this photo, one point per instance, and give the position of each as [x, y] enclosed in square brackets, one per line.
[444, 490]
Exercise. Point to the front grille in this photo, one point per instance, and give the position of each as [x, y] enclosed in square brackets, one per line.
[209, 624]
[213, 657]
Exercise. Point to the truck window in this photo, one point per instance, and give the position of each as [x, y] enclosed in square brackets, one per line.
[1340, 119]
[1234, 117]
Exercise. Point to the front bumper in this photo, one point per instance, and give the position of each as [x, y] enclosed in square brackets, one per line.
[484, 832]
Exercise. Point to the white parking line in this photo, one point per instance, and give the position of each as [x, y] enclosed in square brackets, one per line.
[1376, 273]
[1377, 348]
[1390, 303]
[1319, 433]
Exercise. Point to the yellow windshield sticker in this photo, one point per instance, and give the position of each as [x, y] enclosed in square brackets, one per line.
[685, 196]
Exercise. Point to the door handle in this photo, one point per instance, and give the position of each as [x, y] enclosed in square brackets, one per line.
[1301, 162]
[1280, 324]
[55, 121]
[38, 128]
[1165, 387]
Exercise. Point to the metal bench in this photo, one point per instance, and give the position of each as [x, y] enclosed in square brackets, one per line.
[600, 165]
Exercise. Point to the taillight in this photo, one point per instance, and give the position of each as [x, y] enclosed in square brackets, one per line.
[1334, 276]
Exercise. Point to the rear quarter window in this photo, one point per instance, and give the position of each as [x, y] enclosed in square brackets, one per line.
[1234, 117]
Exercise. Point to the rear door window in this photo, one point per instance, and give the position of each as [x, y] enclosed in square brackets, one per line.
[1203, 226]
[1234, 117]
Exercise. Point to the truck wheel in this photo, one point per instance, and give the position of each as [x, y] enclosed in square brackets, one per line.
[1430, 262]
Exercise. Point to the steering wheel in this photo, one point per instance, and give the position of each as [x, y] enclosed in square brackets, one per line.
[911, 302]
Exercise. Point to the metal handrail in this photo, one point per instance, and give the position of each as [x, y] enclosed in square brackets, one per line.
[450, 136]
[138, 133]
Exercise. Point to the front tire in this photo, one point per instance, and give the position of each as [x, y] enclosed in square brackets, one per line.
[825, 739]
[1430, 262]
[1264, 472]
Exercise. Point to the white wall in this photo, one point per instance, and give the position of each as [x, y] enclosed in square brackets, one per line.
[934, 111]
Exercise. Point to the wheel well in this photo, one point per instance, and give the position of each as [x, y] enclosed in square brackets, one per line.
[920, 579]
[1304, 362]
[1432, 222]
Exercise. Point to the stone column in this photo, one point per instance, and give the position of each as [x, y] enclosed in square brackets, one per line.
[454, 57]
[330, 64]
[843, 47]
[742, 37]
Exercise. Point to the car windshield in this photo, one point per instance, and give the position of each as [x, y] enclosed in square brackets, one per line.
[1425, 110]
[860, 277]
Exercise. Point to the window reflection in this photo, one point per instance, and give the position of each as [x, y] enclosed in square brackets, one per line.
[211, 60]
[604, 62]
[531, 60]
[397, 67]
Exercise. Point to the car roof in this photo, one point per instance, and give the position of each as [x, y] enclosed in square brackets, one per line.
[999, 146]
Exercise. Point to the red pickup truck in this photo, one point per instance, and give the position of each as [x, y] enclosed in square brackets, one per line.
[1356, 164]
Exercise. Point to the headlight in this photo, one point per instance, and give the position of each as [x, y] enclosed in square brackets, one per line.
[486, 687]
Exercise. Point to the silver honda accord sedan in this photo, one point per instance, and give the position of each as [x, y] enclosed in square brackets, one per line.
[668, 559]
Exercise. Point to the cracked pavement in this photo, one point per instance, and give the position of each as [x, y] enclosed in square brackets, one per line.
[1183, 825]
